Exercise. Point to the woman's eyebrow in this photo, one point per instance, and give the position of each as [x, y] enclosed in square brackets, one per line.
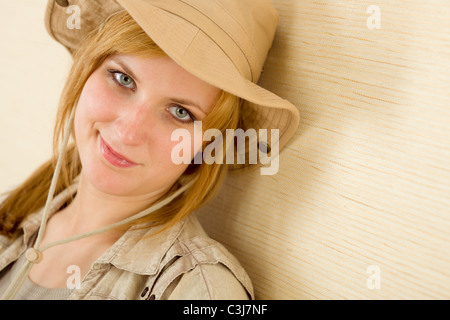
[187, 102]
[124, 67]
[182, 101]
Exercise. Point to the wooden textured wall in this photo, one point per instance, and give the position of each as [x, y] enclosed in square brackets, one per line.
[360, 207]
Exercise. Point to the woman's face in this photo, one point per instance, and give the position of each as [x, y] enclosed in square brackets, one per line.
[125, 117]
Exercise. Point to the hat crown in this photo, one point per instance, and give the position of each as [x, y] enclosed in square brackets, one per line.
[243, 29]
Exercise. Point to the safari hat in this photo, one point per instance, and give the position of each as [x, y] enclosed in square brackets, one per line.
[223, 42]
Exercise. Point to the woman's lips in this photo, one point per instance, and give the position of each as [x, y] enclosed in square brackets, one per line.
[113, 157]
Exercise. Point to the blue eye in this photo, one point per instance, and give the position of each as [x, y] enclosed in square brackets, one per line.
[181, 114]
[123, 79]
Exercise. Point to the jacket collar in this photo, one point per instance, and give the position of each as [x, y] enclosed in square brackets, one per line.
[141, 249]
[32, 222]
[138, 250]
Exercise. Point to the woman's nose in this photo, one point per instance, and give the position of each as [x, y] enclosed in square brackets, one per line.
[133, 126]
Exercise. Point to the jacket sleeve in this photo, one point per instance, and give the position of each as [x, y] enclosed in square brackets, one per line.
[207, 282]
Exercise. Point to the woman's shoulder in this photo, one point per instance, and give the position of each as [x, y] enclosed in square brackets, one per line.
[208, 282]
[203, 268]
[180, 262]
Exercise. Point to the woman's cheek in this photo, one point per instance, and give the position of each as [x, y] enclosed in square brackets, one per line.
[98, 99]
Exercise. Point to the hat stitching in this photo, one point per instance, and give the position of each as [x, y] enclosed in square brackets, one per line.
[247, 58]
[243, 29]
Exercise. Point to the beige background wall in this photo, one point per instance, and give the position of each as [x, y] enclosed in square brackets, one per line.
[363, 190]
[33, 70]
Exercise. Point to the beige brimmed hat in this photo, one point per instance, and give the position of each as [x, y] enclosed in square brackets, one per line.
[223, 42]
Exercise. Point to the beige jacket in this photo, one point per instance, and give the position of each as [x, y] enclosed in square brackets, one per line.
[179, 263]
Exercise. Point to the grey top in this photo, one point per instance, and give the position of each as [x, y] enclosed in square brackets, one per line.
[29, 290]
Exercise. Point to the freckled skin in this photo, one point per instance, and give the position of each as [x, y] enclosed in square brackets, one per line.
[136, 123]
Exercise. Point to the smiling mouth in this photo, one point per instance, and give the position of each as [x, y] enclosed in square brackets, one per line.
[113, 157]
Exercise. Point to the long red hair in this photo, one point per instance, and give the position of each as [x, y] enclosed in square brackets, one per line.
[119, 34]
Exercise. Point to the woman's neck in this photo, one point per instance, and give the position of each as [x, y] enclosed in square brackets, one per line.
[92, 209]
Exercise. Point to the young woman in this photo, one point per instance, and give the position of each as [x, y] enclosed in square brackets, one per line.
[109, 217]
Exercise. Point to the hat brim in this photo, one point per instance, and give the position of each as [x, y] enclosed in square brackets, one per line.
[197, 53]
